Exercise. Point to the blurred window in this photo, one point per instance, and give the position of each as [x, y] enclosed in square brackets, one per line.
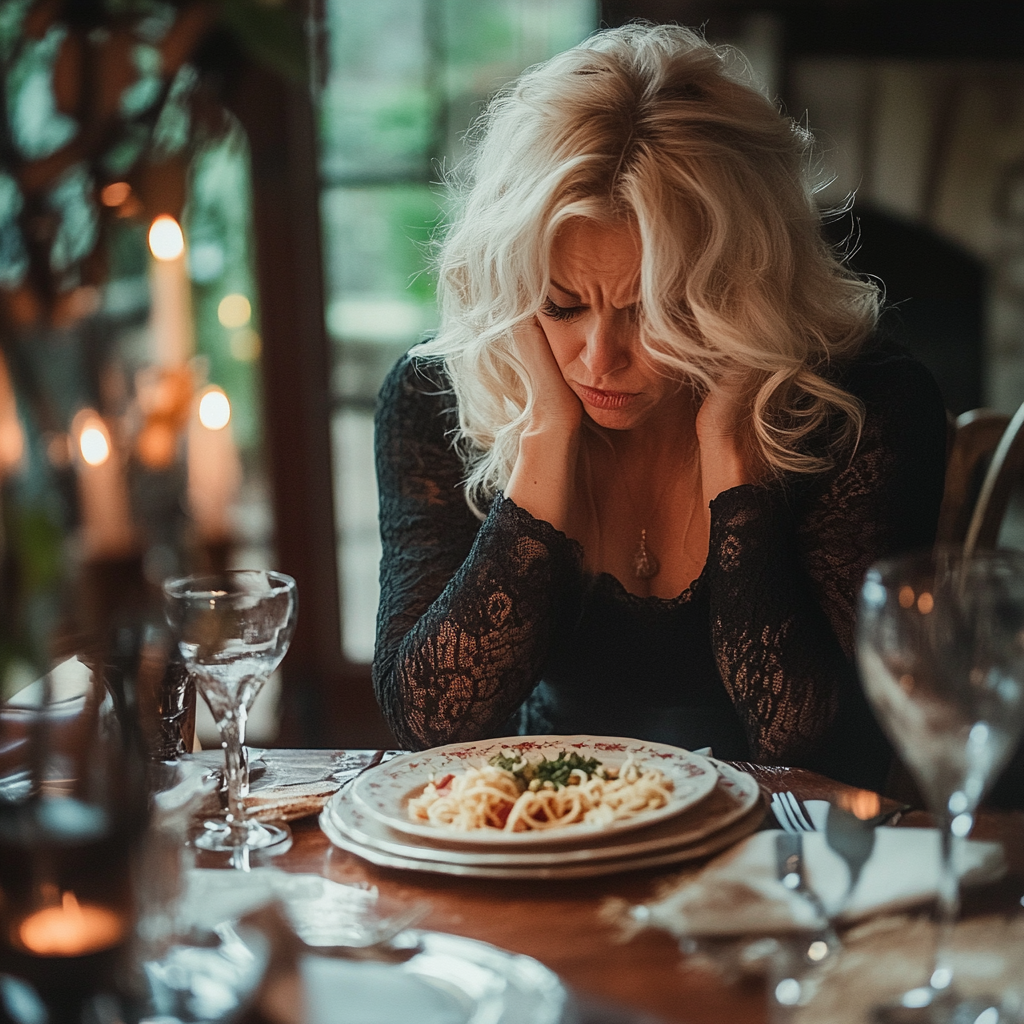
[405, 80]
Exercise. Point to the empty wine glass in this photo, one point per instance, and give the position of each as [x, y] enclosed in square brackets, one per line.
[233, 630]
[940, 645]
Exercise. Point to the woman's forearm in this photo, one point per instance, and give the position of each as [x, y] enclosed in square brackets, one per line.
[543, 476]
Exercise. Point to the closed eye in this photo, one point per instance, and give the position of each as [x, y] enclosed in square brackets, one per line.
[555, 312]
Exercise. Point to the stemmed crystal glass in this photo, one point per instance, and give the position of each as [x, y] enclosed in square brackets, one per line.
[233, 630]
[940, 645]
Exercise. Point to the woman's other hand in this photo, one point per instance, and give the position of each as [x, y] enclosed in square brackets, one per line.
[723, 462]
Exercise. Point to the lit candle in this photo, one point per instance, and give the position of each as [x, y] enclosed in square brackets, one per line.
[214, 469]
[107, 530]
[862, 803]
[71, 929]
[170, 294]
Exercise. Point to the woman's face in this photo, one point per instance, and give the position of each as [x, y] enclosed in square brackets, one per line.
[591, 320]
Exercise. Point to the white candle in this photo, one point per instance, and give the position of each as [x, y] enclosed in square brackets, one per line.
[71, 929]
[171, 323]
[214, 468]
[107, 530]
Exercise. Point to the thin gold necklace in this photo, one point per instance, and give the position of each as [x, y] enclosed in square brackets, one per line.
[646, 564]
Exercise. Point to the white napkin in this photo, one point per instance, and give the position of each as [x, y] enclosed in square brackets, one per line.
[739, 891]
[322, 912]
[337, 992]
[69, 681]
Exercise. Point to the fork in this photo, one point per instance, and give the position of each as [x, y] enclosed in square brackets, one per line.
[790, 869]
[790, 813]
[848, 836]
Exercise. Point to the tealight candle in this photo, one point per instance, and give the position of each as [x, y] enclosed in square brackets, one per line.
[71, 929]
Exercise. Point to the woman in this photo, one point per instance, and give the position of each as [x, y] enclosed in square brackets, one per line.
[632, 485]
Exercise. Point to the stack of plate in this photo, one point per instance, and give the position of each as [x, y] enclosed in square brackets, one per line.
[712, 806]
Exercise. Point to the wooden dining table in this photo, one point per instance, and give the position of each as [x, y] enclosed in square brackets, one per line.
[565, 924]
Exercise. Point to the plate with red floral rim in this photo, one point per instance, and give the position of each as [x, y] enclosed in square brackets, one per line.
[384, 792]
[735, 796]
[706, 847]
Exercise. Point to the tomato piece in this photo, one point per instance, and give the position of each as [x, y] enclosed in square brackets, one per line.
[444, 782]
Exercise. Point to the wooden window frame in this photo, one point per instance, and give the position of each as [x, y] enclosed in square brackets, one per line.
[326, 700]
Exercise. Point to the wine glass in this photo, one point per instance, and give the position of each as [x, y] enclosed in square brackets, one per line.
[940, 645]
[233, 630]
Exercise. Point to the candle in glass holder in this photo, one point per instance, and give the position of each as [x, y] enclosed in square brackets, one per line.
[71, 929]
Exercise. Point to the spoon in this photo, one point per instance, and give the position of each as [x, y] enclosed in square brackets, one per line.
[854, 840]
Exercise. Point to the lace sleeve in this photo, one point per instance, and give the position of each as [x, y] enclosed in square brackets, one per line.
[786, 563]
[467, 609]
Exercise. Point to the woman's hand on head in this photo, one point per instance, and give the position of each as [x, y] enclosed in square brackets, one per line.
[555, 405]
[719, 426]
[542, 479]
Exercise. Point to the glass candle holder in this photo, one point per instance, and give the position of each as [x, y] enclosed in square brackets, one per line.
[72, 816]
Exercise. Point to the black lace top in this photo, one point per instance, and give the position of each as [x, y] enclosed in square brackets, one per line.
[494, 628]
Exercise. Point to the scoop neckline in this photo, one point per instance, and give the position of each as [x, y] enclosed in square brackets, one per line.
[609, 581]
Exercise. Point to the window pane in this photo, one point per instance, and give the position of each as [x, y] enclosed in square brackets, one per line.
[407, 78]
[376, 113]
[358, 537]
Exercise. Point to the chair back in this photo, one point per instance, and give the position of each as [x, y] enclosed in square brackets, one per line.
[986, 459]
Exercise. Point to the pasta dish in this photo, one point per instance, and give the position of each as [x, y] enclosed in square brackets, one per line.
[514, 795]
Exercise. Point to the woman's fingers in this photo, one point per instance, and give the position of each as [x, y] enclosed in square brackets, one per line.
[554, 402]
[542, 477]
[723, 410]
[720, 436]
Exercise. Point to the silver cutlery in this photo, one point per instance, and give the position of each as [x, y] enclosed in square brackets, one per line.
[854, 841]
[789, 860]
[852, 838]
[790, 813]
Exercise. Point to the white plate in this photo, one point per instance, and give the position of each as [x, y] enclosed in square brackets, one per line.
[384, 791]
[452, 980]
[704, 848]
[734, 796]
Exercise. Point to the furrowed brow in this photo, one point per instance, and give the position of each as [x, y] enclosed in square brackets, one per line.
[567, 291]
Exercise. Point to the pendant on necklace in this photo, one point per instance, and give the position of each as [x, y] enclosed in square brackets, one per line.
[645, 565]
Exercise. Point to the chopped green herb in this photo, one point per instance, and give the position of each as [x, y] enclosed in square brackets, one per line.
[505, 762]
[556, 771]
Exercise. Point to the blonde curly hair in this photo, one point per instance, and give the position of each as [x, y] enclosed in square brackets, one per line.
[653, 125]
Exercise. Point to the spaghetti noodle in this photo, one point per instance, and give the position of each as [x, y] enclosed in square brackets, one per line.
[516, 796]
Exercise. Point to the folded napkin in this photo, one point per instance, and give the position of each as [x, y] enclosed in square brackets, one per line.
[286, 785]
[739, 893]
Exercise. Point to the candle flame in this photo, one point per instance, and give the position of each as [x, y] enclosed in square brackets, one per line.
[94, 443]
[71, 929]
[214, 409]
[166, 241]
[862, 803]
